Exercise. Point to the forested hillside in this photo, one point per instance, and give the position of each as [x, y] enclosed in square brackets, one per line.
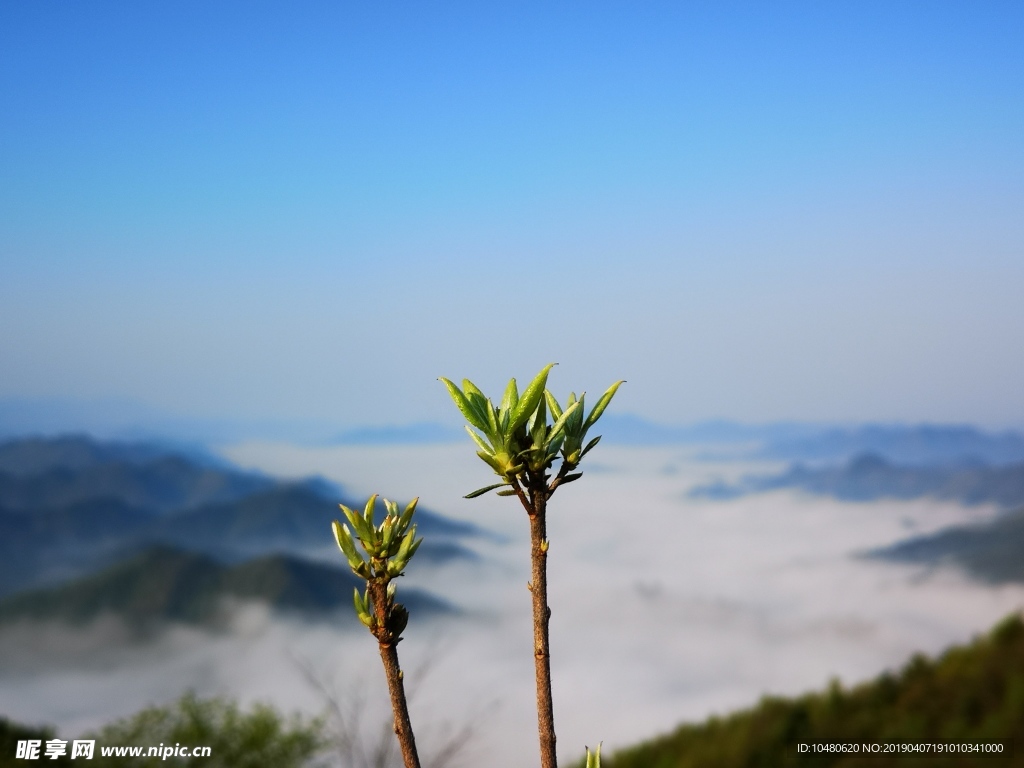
[971, 694]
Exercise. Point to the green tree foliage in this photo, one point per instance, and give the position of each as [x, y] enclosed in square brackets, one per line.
[11, 733]
[258, 738]
[970, 694]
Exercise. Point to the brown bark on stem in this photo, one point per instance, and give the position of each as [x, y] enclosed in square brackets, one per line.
[396, 685]
[396, 681]
[537, 509]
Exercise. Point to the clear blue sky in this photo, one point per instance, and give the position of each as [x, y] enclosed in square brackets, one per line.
[790, 210]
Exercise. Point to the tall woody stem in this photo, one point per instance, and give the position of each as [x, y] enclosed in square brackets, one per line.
[534, 500]
[396, 679]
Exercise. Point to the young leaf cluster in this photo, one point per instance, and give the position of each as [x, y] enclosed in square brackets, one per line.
[576, 427]
[516, 437]
[389, 547]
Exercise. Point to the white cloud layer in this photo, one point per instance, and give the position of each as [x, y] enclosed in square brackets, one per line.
[664, 609]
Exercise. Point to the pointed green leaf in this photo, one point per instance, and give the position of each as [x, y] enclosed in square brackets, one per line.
[590, 445]
[478, 440]
[361, 611]
[482, 491]
[554, 445]
[358, 524]
[492, 462]
[472, 389]
[492, 419]
[407, 541]
[403, 521]
[531, 397]
[371, 503]
[574, 425]
[415, 546]
[388, 530]
[464, 406]
[511, 397]
[476, 398]
[343, 537]
[479, 405]
[601, 405]
[539, 427]
[559, 425]
[553, 406]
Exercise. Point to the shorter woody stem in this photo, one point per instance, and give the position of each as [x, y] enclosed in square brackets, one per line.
[396, 681]
[396, 685]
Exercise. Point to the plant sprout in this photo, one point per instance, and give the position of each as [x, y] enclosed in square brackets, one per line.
[517, 441]
[389, 547]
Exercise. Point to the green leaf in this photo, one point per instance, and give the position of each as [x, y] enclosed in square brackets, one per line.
[478, 403]
[343, 537]
[590, 445]
[509, 492]
[358, 524]
[388, 530]
[530, 399]
[492, 419]
[362, 605]
[492, 462]
[540, 424]
[574, 425]
[482, 491]
[472, 389]
[406, 517]
[462, 403]
[511, 398]
[371, 503]
[406, 542]
[479, 440]
[601, 405]
[553, 406]
[572, 477]
[559, 425]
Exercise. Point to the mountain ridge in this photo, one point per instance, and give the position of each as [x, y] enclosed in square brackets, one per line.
[166, 585]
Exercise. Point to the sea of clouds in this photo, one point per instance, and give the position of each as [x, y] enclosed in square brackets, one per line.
[665, 608]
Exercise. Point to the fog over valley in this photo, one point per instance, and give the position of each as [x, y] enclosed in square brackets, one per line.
[666, 606]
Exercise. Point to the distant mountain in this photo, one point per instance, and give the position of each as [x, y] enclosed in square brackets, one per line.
[993, 552]
[800, 441]
[904, 444]
[37, 472]
[71, 505]
[34, 455]
[53, 544]
[292, 517]
[162, 584]
[130, 420]
[970, 695]
[627, 429]
[869, 477]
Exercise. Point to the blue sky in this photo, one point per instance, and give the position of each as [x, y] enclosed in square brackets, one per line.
[758, 211]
